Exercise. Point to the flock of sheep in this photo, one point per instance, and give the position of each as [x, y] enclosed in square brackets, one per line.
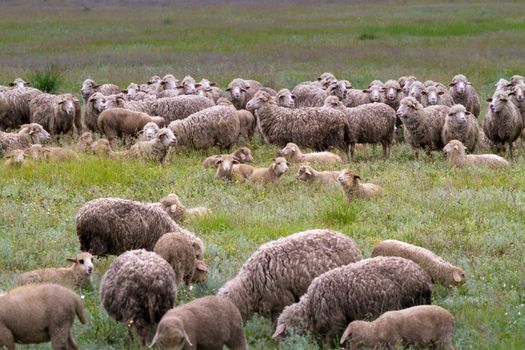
[314, 282]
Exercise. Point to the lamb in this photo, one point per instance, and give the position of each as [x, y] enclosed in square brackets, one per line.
[89, 87]
[295, 155]
[503, 122]
[28, 135]
[455, 152]
[461, 125]
[118, 122]
[419, 326]
[240, 91]
[316, 128]
[84, 142]
[178, 250]
[280, 271]
[113, 225]
[148, 132]
[39, 313]
[272, 174]
[224, 164]
[308, 174]
[206, 323]
[392, 91]
[77, 275]
[438, 269]
[37, 152]
[180, 107]
[242, 155]
[242, 171]
[464, 93]
[285, 98]
[422, 126]
[353, 187]
[214, 126]
[94, 106]
[137, 290]
[155, 149]
[103, 147]
[15, 158]
[432, 95]
[58, 114]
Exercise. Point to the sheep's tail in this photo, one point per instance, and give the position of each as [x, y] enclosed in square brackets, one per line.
[79, 309]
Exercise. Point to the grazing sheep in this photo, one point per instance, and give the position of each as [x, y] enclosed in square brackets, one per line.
[77, 275]
[362, 290]
[58, 114]
[89, 87]
[464, 93]
[295, 155]
[224, 166]
[178, 250]
[455, 152]
[284, 98]
[113, 225]
[242, 155]
[277, 168]
[180, 107]
[280, 271]
[438, 269]
[137, 290]
[94, 106]
[207, 323]
[503, 122]
[148, 132]
[432, 95]
[214, 126]
[102, 147]
[308, 174]
[84, 142]
[37, 152]
[240, 91]
[155, 149]
[316, 128]
[28, 135]
[419, 326]
[422, 126]
[118, 122]
[461, 125]
[353, 187]
[14, 158]
[392, 91]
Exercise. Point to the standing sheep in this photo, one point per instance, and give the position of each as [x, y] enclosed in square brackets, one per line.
[38, 313]
[296, 156]
[307, 95]
[210, 90]
[416, 90]
[362, 290]
[119, 122]
[155, 149]
[406, 84]
[14, 107]
[58, 114]
[517, 96]
[432, 95]
[240, 91]
[180, 107]
[179, 251]
[393, 94]
[464, 93]
[461, 125]
[353, 187]
[119, 101]
[280, 271]
[284, 98]
[92, 109]
[137, 290]
[188, 85]
[28, 135]
[272, 174]
[89, 87]
[308, 174]
[455, 152]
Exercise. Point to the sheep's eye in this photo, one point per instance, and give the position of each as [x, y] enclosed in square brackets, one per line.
[81, 261]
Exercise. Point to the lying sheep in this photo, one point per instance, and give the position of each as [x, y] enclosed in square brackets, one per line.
[224, 166]
[119, 122]
[155, 149]
[180, 107]
[393, 94]
[242, 172]
[102, 147]
[242, 155]
[14, 107]
[113, 225]
[15, 158]
[28, 135]
[464, 93]
[280, 271]
[294, 154]
[204, 323]
[148, 132]
[94, 106]
[362, 290]
[308, 174]
[39, 313]
[178, 250]
[432, 95]
[438, 269]
[419, 326]
[461, 125]
[77, 275]
[277, 168]
[84, 142]
[455, 152]
[240, 91]
[284, 98]
[89, 87]
[353, 187]
[58, 114]
[503, 122]
[37, 152]
[422, 126]
[137, 290]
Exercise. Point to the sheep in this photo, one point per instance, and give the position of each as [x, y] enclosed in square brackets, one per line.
[416, 90]
[19, 83]
[357, 97]
[89, 87]
[503, 122]
[113, 225]
[362, 290]
[294, 154]
[118, 122]
[188, 85]
[419, 326]
[461, 125]
[103, 147]
[119, 101]
[84, 141]
[14, 107]
[58, 114]
[77, 275]
[464, 93]
[37, 152]
[422, 127]
[433, 95]
[277, 168]
[224, 164]
[148, 131]
[180, 107]
[133, 93]
[155, 149]
[374, 90]
[406, 83]
[285, 98]
[242, 171]
[137, 290]
[247, 124]
[502, 85]
[316, 128]
[242, 155]
[438, 269]
[240, 91]
[308, 174]
[353, 187]
[15, 158]
[455, 152]
[518, 98]
[306, 95]
[93, 107]
[280, 271]
[214, 126]
[210, 90]
[178, 250]
[168, 87]
[28, 135]
[392, 93]
[39, 313]
[515, 79]
[206, 323]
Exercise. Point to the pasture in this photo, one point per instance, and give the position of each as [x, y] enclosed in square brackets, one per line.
[474, 217]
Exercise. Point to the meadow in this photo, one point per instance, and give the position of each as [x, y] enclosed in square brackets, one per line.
[471, 217]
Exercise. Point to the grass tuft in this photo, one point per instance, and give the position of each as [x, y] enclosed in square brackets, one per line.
[47, 80]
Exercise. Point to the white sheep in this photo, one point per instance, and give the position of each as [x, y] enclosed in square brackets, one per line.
[294, 154]
[455, 152]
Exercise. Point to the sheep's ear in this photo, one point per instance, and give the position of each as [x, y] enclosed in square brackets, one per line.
[423, 92]
[293, 97]
[452, 84]
[456, 147]
[489, 99]
[124, 91]
[198, 85]
[346, 334]
[218, 161]
[366, 91]
[281, 328]
[96, 86]
[456, 276]
[504, 99]
[12, 84]
[357, 177]
[73, 260]
[187, 338]
[512, 93]
[61, 102]
[399, 90]
[228, 89]
[235, 161]
[243, 90]
[213, 83]
[468, 113]
[441, 93]
[201, 266]
[307, 172]
[288, 164]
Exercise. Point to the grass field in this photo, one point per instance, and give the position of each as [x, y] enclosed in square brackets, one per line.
[472, 217]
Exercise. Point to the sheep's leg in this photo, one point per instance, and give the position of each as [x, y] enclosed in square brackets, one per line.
[71, 341]
[385, 150]
[60, 337]
[6, 338]
[352, 151]
[510, 151]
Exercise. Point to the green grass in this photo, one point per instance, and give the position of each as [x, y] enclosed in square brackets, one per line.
[47, 80]
[472, 217]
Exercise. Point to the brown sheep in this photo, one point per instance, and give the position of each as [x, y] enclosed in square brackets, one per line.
[353, 187]
[117, 122]
[178, 250]
[308, 174]
[296, 156]
[277, 168]
[242, 155]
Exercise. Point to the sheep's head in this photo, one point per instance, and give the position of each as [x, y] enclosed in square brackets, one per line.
[36, 152]
[169, 82]
[166, 136]
[285, 98]
[36, 132]
[305, 173]
[391, 89]
[338, 88]
[16, 156]
[225, 163]
[237, 89]
[153, 80]
[432, 94]
[98, 101]
[407, 107]
[459, 84]
[115, 101]
[149, 131]
[243, 155]
[132, 90]
[101, 147]
[174, 207]
[86, 138]
[499, 100]
[518, 91]
[279, 166]
[88, 88]
[516, 79]
[171, 334]
[326, 79]
[454, 147]
[260, 98]
[289, 150]
[333, 102]
[355, 334]
[66, 103]
[188, 85]
[347, 177]
[19, 83]
[407, 84]
[374, 90]
[458, 115]
[83, 263]
[292, 316]
[416, 90]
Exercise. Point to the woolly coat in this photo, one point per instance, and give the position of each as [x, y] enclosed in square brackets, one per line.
[466, 131]
[49, 111]
[180, 107]
[14, 107]
[30, 134]
[469, 99]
